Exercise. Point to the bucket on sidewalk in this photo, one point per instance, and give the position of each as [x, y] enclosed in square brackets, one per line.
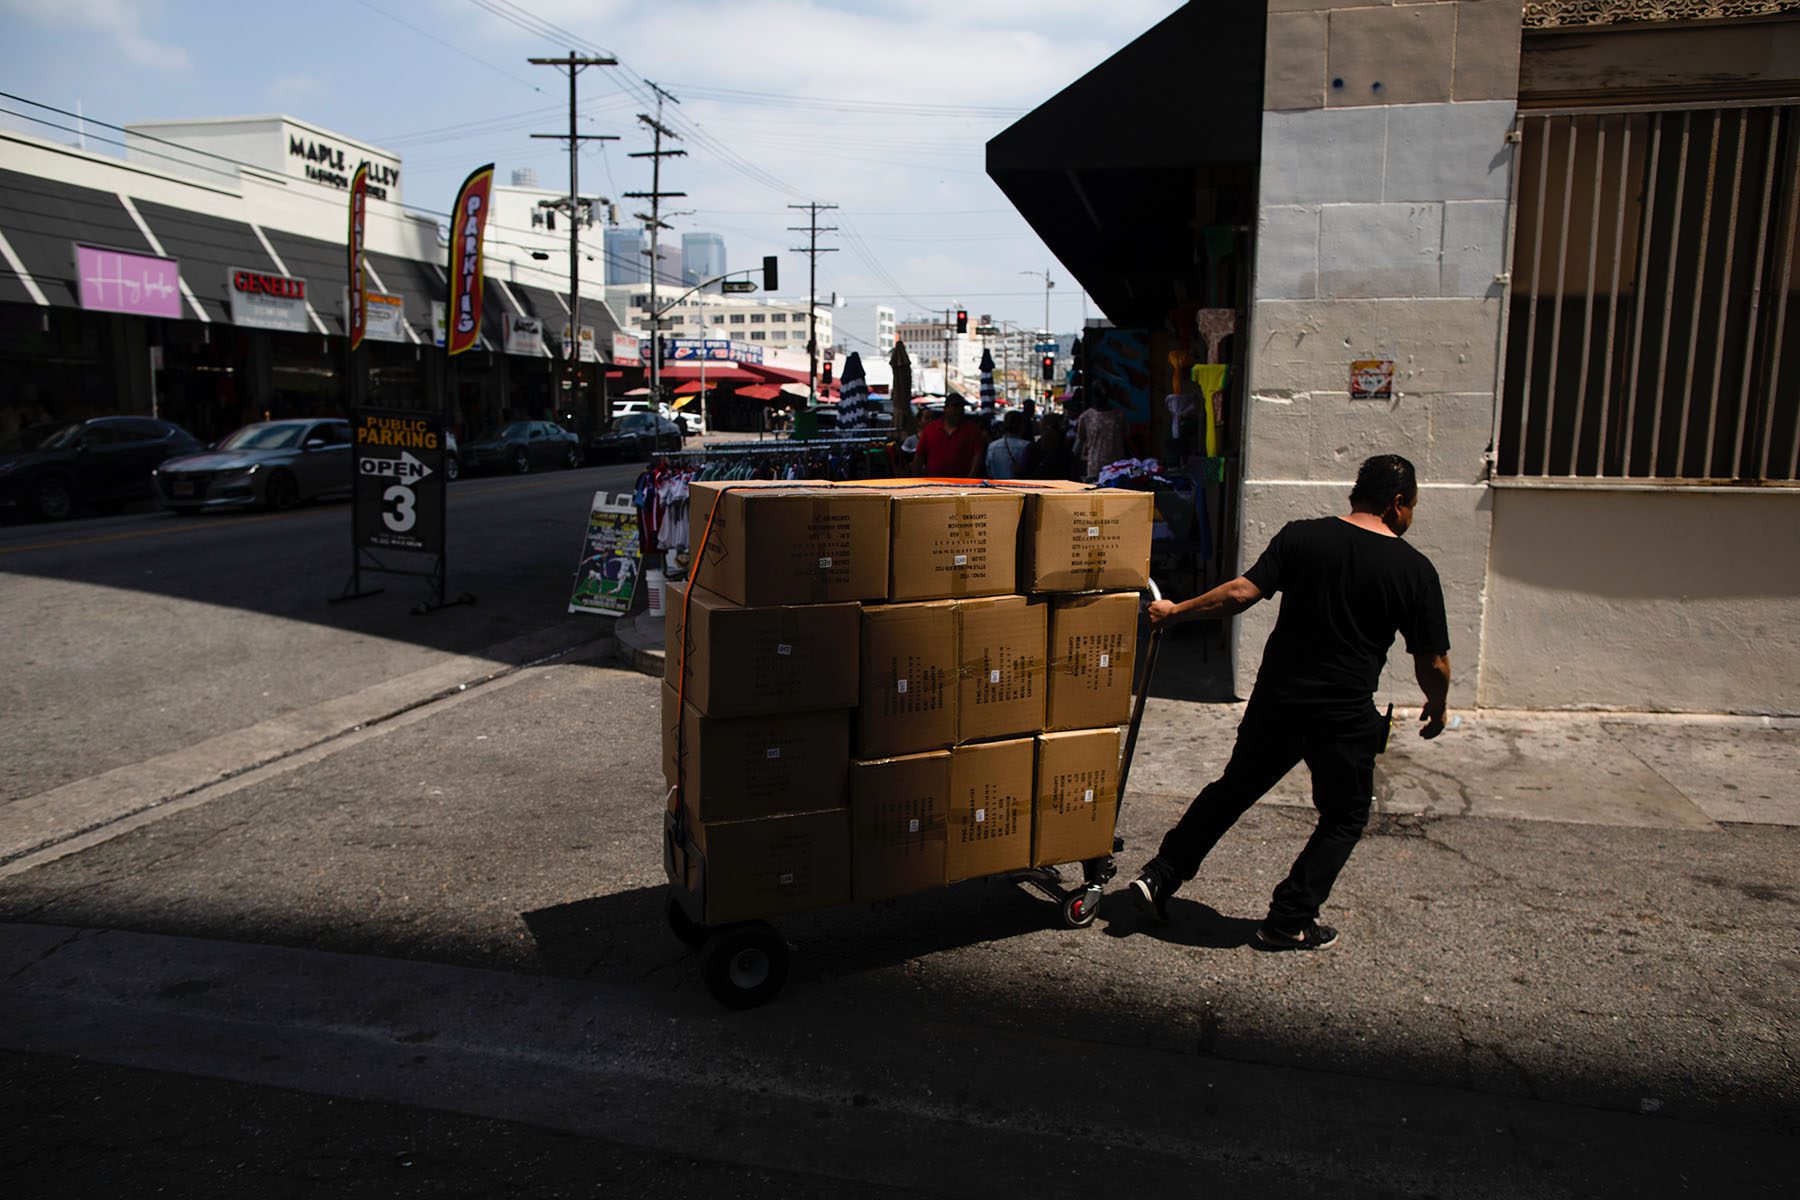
[653, 581]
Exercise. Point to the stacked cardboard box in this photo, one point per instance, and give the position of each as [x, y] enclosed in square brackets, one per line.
[877, 689]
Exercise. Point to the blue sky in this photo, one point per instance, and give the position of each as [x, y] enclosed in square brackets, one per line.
[883, 109]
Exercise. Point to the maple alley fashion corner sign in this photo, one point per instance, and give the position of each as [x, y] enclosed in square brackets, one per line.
[399, 465]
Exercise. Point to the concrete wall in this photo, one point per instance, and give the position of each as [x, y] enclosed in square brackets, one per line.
[1683, 601]
[1381, 229]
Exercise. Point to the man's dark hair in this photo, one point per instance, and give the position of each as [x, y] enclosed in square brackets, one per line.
[1381, 479]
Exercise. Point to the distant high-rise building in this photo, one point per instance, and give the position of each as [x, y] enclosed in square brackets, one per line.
[626, 257]
[702, 256]
[524, 177]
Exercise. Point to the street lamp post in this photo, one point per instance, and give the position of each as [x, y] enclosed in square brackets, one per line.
[1048, 284]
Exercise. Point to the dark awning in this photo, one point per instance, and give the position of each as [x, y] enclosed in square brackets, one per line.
[417, 283]
[208, 247]
[1118, 171]
[43, 219]
[324, 265]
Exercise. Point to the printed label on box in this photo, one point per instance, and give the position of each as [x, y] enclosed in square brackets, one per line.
[1087, 797]
[980, 815]
[783, 648]
[962, 560]
[772, 752]
[912, 826]
[1093, 531]
[787, 879]
[993, 677]
[824, 564]
[900, 686]
[1106, 660]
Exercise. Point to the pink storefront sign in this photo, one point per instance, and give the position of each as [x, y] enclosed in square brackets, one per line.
[139, 284]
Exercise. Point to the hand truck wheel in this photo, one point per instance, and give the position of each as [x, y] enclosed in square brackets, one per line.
[690, 933]
[745, 965]
[1080, 907]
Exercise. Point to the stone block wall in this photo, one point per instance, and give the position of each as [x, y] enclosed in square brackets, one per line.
[1381, 232]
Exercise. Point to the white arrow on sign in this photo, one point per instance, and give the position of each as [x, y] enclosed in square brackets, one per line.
[406, 468]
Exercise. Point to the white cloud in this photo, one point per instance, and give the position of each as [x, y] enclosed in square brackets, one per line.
[119, 21]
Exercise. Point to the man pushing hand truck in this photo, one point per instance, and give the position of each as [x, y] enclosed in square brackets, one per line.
[1349, 584]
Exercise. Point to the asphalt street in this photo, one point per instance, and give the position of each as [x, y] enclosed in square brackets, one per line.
[135, 635]
[397, 928]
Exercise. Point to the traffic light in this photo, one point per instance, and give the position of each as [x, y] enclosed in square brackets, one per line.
[962, 320]
[770, 273]
[1049, 368]
[825, 373]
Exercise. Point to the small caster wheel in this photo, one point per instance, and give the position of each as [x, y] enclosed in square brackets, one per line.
[744, 966]
[1081, 907]
[691, 935]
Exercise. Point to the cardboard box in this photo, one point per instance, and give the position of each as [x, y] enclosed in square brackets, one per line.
[990, 808]
[768, 866]
[743, 767]
[1093, 649]
[949, 542]
[790, 543]
[750, 661]
[1085, 539]
[1076, 801]
[908, 679]
[1002, 654]
[897, 830]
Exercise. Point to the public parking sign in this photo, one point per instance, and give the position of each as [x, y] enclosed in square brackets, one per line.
[399, 465]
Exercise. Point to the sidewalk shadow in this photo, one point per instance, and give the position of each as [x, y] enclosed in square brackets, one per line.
[1190, 924]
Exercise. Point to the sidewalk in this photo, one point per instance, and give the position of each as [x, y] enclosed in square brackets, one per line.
[1645, 770]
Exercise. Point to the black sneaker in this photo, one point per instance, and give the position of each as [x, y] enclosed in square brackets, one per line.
[1310, 936]
[1151, 896]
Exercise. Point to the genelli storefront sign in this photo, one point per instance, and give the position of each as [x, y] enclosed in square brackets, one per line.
[261, 300]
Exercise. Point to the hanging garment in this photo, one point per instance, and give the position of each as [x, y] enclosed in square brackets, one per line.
[1211, 378]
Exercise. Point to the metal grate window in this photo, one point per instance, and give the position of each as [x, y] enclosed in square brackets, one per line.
[1653, 326]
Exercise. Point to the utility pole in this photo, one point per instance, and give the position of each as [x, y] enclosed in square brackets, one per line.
[653, 219]
[812, 250]
[573, 63]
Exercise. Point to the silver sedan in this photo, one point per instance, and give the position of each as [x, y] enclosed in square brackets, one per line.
[274, 464]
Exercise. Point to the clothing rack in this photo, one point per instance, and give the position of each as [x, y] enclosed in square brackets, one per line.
[786, 448]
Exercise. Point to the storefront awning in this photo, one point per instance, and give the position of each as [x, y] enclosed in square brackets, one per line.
[44, 218]
[760, 391]
[209, 248]
[1119, 170]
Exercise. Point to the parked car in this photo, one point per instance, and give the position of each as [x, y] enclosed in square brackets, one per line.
[276, 464]
[49, 470]
[518, 446]
[636, 435]
[688, 420]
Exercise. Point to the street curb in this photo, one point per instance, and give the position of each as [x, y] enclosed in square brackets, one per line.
[638, 644]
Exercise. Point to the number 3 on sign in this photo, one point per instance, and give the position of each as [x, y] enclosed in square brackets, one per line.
[401, 516]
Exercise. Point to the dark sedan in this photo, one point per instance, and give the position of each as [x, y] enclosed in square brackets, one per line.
[636, 436]
[49, 470]
[518, 446]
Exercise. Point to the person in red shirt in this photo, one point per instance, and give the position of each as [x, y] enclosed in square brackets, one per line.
[952, 446]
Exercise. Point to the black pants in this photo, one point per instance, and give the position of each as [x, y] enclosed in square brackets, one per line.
[1338, 748]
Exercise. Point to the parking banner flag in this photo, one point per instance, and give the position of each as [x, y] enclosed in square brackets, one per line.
[468, 219]
[359, 212]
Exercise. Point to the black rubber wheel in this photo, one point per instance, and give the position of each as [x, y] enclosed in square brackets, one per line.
[281, 492]
[685, 929]
[744, 966]
[452, 468]
[521, 462]
[1080, 908]
[52, 498]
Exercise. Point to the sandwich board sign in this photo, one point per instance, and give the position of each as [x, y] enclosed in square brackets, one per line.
[398, 458]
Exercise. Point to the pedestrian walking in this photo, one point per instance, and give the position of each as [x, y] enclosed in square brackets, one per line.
[1100, 430]
[951, 446]
[1348, 584]
[1051, 457]
[1009, 455]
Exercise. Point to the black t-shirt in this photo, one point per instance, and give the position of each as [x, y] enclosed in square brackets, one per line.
[1347, 591]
